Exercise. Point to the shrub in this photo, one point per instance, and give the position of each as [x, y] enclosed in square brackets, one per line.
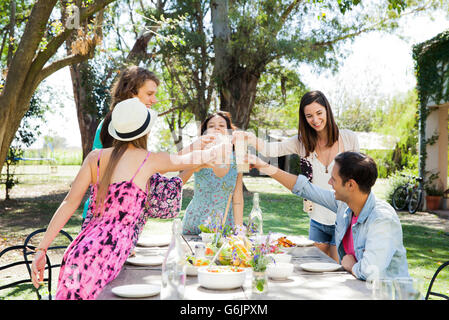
[399, 178]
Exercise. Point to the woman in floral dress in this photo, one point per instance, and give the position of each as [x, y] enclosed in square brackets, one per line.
[214, 184]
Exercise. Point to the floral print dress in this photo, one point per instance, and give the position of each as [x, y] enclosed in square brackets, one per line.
[97, 254]
[210, 197]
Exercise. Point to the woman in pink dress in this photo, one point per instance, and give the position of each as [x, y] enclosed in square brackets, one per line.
[118, 179]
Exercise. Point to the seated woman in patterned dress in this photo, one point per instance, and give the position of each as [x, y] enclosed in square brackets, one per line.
[118, 178]
[214, 184]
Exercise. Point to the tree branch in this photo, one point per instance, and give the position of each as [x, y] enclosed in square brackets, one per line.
[29, 42]
[57, 41]
[373, 27]
[289, 9]
[12, 25]
[169, 111]
[57, 65]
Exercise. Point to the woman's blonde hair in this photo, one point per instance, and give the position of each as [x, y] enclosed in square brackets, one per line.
[117, 153]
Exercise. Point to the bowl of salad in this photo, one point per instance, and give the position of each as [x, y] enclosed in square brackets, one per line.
[193, 264]
[221, 277]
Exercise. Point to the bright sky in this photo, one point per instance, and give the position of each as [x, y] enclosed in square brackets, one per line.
[379, 63]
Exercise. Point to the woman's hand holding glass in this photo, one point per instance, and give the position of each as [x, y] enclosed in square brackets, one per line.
[220, 153]
[254, 161]
[204, 142]
[224, 141]
[248, 136]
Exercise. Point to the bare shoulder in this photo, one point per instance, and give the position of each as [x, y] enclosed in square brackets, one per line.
[92, 157]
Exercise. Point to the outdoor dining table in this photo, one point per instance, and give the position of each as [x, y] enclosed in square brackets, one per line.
[301, 285]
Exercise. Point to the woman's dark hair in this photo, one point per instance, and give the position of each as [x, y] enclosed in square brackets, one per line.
[306, 134]
[359, 167]
[128, 84]
[225, 115]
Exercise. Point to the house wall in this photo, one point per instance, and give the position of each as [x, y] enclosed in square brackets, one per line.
[437, 153]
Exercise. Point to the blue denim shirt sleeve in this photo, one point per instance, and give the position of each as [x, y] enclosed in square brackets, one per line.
[379, 250]
[309, 191]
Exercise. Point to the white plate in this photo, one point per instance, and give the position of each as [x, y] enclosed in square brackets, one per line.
[154, 241]
[149, 251]
[146, 260]
[320, 266]
[136, 290]
[300, 241]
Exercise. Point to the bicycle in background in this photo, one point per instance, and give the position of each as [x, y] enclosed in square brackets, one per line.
[410, 195]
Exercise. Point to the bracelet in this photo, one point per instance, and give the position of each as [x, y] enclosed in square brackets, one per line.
[40, 249]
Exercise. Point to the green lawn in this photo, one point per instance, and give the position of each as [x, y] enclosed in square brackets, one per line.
[282, 212]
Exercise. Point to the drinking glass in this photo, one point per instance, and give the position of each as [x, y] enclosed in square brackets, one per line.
[219, 139]
[383, 289]
[409, 288]
[241, 150]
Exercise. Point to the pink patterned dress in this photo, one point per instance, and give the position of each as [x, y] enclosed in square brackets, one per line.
[97, 254]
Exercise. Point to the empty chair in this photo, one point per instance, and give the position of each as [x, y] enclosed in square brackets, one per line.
[26, 249]
[429, 290]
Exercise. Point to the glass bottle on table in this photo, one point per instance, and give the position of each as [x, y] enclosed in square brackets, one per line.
[174, 266]
[255, 221]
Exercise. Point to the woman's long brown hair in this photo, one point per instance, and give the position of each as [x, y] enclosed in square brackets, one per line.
[306, 134]
[127, 86]
[119, 149]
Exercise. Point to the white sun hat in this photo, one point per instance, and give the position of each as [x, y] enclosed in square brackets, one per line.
[131, 119]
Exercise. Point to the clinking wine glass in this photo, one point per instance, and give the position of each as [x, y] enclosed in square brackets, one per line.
[221, 139]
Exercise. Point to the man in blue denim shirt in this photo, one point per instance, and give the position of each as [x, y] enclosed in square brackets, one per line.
[377, 234]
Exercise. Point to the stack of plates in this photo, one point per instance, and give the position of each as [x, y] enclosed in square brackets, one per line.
[154, 241]
[146, 260]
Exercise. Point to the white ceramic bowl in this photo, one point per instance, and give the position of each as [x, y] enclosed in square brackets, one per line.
[207, 237]
[221, 280]
[280, 271]
[281, 257]
[191, 270]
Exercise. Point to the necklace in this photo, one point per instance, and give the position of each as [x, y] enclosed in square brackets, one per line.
[328, 157]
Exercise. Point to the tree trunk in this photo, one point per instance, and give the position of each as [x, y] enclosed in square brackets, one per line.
[238, 94]
[236, 85]
[87, 120]
[222, 37]
[29, 67]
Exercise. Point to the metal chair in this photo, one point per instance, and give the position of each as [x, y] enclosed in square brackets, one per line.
[11, 265]
[429, 292]
[26, 249]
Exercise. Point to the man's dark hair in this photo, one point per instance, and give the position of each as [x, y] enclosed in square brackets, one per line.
[359, 167]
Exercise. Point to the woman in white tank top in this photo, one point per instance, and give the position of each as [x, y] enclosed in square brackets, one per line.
[318, 142]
